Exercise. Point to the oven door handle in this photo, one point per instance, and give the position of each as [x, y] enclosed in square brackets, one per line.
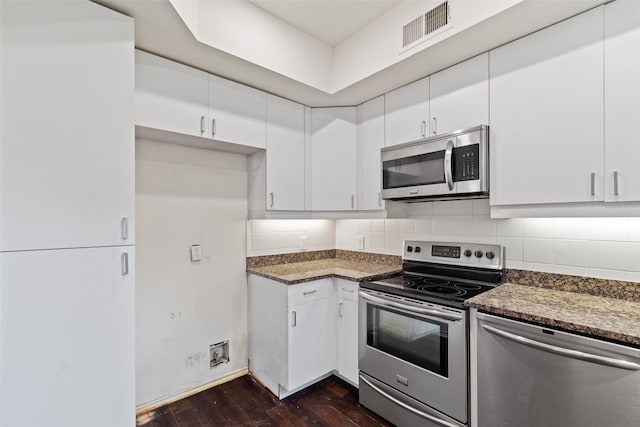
[411, 307]
[448, 165]
[398, 402]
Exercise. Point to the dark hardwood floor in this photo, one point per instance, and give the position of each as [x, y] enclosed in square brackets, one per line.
[244, 402]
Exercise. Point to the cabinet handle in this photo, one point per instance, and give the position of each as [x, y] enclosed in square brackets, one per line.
[293, 318]
[124, 263]
[213, 127]
[593, 183]
[201, 125]
[348, 290]
[124, 228]
[615, 183]
[310, 292]
[435, 125]
[340, 309]
[423, 128]
[353, 201]
[271, 197]
[380, 199]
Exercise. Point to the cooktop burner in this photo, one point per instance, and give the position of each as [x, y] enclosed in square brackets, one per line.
[451, 289]
[444, 272]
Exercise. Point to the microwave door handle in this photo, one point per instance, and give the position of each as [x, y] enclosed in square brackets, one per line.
[448, 163]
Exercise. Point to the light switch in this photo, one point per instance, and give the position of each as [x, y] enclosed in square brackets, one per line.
[196, 253]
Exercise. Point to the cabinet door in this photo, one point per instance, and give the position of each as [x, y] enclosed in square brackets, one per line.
[285, 154]
[546, 109]
[622, 100]
[459, 96]
[348, 331]
[237, 113]
[67, 134]
[67, 338]
[171, 96]
[370, 141]
[310, 342]
[333, 159]
[406, 113]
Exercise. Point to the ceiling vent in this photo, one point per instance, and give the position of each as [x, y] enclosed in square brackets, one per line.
[426, 26]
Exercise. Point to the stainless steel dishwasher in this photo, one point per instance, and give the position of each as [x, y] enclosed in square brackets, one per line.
[531, 376]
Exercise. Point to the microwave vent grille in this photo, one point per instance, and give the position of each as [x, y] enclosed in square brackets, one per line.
[426, 25]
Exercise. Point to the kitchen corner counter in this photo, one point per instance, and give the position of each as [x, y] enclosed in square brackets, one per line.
[298, 272]
[601, 317]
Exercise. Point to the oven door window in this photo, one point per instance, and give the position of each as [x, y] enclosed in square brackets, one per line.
[412, 171]
[414, 339]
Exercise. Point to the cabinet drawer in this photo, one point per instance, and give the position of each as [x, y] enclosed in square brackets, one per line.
[306, 292]
[348, 292]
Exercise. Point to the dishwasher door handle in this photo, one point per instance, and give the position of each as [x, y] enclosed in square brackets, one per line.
[561, 351]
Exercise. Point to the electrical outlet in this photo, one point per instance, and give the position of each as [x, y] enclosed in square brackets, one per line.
[361, 243]
[196, 253]
[303, 243]
[218, 353]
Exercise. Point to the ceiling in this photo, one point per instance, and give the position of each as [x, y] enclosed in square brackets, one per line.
[159, 29]
[331, 22]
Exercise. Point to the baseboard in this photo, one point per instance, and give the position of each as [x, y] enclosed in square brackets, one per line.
[184, 394]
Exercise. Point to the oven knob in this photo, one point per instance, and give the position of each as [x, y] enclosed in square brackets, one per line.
[490, 255]
[468, 253]
[478, 254]
[409, 248]
[418, 249]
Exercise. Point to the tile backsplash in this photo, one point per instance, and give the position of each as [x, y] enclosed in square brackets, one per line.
[607, 248]
[279, 236]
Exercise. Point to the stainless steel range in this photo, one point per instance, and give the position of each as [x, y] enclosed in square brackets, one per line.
[414, 332]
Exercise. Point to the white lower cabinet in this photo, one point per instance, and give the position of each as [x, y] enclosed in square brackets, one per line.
[348, 330]
[67, 337]
[298, 334]
[291, 337]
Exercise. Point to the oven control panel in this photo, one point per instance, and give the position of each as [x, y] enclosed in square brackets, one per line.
[469, 254]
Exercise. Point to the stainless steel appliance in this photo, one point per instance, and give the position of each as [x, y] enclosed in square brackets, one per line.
[414, 332]
[454, 165]
[533, 376]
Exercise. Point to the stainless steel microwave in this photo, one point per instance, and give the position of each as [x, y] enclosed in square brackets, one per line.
[448, 166]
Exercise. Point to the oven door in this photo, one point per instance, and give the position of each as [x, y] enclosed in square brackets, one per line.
[417, 348]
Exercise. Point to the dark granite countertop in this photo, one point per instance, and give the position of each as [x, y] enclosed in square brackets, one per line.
[305, 271]
[610, 318]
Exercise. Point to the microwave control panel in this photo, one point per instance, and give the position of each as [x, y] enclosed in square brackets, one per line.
[466, 163]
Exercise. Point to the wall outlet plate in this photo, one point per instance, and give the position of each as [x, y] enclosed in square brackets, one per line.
[303, 243]
[361, 243]
[196, 253]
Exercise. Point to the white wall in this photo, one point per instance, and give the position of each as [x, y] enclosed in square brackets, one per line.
[279, 236]
[188, 196]
[597, 247]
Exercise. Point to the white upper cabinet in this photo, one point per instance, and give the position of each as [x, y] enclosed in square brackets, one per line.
[459, 96]
[285, 155]
[176, 98]
[171, 96]
[546, 109]
[622, 100]
[406, 113]
[333, 159]
[370, 117]
[237, 113]
[67, 134]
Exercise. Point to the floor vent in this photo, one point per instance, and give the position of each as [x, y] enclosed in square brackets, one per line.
[426, 25]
